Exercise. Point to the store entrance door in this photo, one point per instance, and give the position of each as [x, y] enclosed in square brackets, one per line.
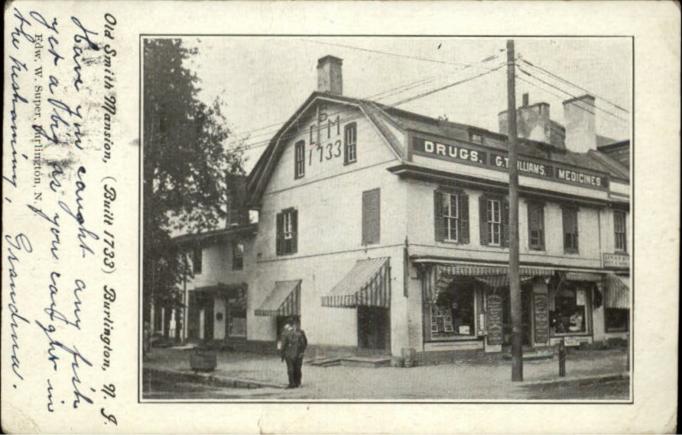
[374, 328]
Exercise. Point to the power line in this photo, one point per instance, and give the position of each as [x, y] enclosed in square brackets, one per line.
[459, 82]
[380, 95]
[393, 91]
[422, 95]
[388, 53]
[571, 95]
[547, 72]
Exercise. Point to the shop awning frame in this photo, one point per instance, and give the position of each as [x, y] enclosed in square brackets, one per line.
[440, 275]
[617, 291]
[368, 283]
[283, 300]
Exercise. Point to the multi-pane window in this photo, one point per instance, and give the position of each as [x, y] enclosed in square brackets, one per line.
[237, 256]
[493, 213]
[452, 216]
[299, 161]
[619, 227]
[536, 226]
[350, 137]
[287, 231]
[570, 224]
[494, 221]
[196, 259]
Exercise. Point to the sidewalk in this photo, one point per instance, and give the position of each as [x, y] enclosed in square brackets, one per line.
[487, 379]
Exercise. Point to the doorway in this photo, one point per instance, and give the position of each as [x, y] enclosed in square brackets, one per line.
[374, 328]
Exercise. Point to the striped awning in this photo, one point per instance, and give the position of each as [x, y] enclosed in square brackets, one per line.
[368, 283]
[617, 291]
[583, 276]
[440, 276]
[283, 300]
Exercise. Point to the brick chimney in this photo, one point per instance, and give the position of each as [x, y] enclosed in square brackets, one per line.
[329, 76]
[532, 122]
[579, 120]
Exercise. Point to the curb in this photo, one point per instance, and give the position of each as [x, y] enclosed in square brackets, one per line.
[582, 380]
[207, 378]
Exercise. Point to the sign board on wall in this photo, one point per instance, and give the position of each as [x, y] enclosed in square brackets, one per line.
[461, 152]
[541, 319]
[616, 261]
[494, 321]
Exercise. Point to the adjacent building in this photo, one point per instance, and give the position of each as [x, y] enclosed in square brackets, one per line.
[382, 229]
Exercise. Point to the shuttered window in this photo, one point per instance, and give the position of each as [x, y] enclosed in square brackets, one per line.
[350, 137]
[619, 228]
[197, 254]
[494, 221]
[570, 224]
[536, 226]
[371, 216]
[299, 161]
[451, 212]
[287, 232]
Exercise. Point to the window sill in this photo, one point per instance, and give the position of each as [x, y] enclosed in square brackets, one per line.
[455, 339]
[349, 162]
[451, 242]
[569, 334]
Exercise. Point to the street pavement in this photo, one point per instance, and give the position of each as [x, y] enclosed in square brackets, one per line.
[485, 379]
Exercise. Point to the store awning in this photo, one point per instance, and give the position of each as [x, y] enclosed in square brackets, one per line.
[440, 276]
[368, 283]
[283, 300]
[583, 276]
[617, 291]
[234, 294]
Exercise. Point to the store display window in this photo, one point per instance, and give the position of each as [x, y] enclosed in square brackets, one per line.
[568, 311]
[453, 315]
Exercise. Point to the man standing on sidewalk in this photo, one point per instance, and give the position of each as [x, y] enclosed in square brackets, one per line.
[294, 343]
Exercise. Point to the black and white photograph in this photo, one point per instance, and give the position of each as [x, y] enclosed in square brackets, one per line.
[386, 218]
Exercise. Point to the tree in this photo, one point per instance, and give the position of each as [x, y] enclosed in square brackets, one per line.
[185, 163]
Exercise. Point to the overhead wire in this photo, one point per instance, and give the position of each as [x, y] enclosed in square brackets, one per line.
[558, 77]
[570, 95]
[390, 92]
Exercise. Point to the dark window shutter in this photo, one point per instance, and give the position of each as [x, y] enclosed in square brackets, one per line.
[483, 219]
[438, 222]
[294, 230]
[371, 216]
[280, 233]
[505, 222]
[463, 217]
[531, 223]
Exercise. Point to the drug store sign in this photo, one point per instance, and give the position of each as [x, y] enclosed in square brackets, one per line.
[460, 152]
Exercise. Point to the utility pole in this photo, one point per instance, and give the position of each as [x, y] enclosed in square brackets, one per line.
[514, 282]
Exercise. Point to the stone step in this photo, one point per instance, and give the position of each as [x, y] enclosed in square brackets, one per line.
[325, 362]
[533, 355]
[369, 362]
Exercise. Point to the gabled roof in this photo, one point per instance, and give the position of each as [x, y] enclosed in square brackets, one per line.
[260, 175]
[381, 116]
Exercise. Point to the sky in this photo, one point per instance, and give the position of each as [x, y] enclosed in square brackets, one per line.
[263, 80]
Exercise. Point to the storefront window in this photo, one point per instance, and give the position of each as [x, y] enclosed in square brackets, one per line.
[569, 315]
[236, 324]
[453, 315]
[617, 319]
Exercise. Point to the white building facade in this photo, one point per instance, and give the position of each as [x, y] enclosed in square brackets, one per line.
[383, 230]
